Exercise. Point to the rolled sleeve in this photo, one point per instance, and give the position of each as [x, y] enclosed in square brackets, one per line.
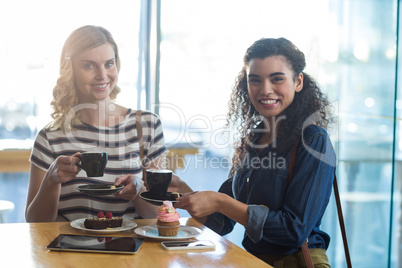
[257, 216]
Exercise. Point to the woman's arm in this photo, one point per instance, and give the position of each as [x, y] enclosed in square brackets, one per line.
[202, 204]
[43, 197]
[306, 197]
[178, 185]
[44, 188]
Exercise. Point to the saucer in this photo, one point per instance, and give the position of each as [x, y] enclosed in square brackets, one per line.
[147, 196]
[151, 231]
[99, 189]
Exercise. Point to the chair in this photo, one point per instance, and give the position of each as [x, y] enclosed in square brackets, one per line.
[5, 207]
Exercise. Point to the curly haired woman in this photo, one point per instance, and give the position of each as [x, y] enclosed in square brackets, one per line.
[275, 106]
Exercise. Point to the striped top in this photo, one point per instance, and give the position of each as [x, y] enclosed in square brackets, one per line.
[121, 144]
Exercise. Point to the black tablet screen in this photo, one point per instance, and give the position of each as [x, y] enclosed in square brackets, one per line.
[102, 244]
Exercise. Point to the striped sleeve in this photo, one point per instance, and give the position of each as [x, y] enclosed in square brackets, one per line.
[42, 156]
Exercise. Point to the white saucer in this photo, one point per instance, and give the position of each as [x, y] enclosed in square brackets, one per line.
[147, 196]
[151, 231]
[127, 225]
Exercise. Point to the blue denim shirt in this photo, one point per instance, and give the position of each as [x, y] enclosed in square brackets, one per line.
[282, 215]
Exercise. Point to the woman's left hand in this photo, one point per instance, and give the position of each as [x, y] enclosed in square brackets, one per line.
[131, 187]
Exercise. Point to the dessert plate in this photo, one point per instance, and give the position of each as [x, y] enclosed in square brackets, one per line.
[99, 189]
[127, 225]
[151, 231]
[147, 196]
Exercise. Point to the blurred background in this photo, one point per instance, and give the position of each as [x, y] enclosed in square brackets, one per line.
[180, 59]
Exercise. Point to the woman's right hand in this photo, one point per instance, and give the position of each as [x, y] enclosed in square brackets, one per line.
[64, 168]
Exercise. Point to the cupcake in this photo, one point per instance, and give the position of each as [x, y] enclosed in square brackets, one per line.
[168, 220]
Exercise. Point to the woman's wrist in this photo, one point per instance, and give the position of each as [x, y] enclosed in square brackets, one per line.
[183, 187]
[220, 202]
[178, 185]
[51, 180]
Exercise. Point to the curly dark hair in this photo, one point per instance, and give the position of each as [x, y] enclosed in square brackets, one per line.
[310, 105]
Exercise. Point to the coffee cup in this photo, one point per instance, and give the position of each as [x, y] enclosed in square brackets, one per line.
[158, 181]
[93, 163]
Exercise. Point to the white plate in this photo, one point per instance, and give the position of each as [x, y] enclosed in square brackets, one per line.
[151, 231]
[127, 225]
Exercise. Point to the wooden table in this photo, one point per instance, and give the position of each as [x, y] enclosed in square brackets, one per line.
[23, 245]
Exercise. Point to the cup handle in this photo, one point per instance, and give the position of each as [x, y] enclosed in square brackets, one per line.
[79, 156]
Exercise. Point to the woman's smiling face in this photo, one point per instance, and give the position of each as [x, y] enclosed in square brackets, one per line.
[95, 73]
[271, 85]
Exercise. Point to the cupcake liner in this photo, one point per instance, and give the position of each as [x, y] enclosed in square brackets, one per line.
[177, 226]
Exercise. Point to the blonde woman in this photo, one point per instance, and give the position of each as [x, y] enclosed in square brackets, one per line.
[86, 119]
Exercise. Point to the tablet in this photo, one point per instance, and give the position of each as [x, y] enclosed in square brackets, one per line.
[98, 244]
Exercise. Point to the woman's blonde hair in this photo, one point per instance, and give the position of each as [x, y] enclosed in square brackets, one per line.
[65, 96]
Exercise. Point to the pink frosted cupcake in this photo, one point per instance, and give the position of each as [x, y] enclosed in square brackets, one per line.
[168, 220]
